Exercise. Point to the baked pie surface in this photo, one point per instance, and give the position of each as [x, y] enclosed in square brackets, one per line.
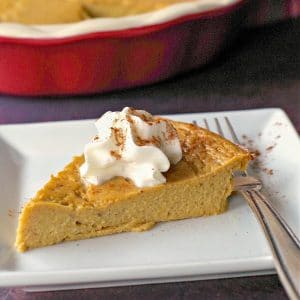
[41, 11]
[67, 11]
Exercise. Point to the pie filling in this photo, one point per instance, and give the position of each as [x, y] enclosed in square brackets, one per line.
[66, 11]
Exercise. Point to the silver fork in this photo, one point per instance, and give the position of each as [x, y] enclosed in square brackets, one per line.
[283, 242]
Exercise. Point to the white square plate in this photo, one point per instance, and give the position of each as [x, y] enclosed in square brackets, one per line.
[228, 245]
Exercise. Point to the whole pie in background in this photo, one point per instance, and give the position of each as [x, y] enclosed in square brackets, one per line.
[67, 11]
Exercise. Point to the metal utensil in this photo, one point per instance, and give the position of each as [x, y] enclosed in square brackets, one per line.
[284, 244]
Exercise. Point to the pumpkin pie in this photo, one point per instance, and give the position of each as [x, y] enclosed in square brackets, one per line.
[66, 11]
[198, 185]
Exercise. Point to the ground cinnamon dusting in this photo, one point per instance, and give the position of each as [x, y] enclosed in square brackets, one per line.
[154, 141]
[129, 119]
[259, 162]
[189, 145]
[147, 119]
[247, 141]
[268, 171]
[143, 117]
[171, 132]
[119, 137]
[270, 148]
[255, 154]
[115, 154]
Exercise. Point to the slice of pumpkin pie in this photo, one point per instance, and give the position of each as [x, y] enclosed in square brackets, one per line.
[139, 170]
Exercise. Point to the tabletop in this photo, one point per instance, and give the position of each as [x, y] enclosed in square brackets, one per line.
[261, 69]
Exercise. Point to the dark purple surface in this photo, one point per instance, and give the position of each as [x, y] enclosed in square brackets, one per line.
[261, 70]
[248, 288]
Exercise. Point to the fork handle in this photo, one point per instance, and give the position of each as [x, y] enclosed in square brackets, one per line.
[283, 242]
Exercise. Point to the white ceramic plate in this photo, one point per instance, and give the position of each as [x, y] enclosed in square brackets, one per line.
[228, 245]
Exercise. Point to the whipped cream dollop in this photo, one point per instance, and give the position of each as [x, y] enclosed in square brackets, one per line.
[133, 144]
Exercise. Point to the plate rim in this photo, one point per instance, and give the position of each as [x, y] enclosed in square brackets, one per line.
[237, 111]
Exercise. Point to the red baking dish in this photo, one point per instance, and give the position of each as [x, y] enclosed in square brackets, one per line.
[93, 61]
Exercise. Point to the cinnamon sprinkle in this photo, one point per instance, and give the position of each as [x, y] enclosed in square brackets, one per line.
[154, 141]
[129, 119]
[150, 120]
[255, 154]
[142, 116]
[115, 154]
[268, 171]
[171, 132]
[270, 148]
[119, 137]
